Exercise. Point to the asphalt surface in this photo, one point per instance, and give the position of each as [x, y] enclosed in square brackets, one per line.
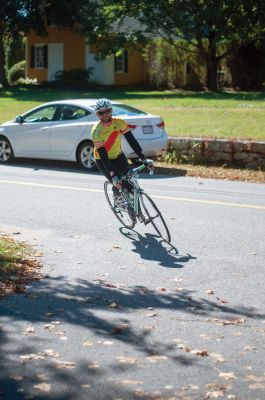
[121, 315]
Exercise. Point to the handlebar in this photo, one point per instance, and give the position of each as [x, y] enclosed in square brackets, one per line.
[136, 170]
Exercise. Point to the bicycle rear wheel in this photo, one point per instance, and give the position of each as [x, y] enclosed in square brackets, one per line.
[125, 216]
[151, 213]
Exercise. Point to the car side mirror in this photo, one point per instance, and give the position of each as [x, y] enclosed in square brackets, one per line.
[19, 119]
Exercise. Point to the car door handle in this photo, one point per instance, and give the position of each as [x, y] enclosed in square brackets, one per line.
[45, 128]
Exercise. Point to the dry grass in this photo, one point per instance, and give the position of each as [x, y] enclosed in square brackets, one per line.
[18, 266]
[213, 172]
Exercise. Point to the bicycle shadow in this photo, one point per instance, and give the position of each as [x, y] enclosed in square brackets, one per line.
[149, 247]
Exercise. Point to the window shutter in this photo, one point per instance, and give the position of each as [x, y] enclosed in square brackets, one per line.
[125, 61]
[32, 57]
[46, 56]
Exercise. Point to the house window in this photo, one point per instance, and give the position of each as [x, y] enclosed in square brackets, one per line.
[39, 56]
[121, 61]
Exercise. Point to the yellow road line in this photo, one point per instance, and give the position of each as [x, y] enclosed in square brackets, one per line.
[183, 199]
[219, 203]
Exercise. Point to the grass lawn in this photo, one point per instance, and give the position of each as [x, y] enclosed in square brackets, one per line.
[225, 115]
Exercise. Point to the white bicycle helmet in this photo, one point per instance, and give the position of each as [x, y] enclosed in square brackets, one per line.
[103, 104]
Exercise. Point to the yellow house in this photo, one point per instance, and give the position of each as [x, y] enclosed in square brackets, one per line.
[65, 49]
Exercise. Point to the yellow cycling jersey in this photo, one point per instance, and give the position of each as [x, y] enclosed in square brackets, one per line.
[109, 136]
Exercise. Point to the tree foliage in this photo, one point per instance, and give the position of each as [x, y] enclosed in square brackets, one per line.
[18, 17]
[208, 25]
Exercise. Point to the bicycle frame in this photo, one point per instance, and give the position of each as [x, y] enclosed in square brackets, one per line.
[133, 173]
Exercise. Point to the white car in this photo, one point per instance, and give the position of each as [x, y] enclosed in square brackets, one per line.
[61, 130]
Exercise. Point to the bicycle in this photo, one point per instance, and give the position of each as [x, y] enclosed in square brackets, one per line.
[137, 205]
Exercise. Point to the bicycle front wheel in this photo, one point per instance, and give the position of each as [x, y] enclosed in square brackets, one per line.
[151, 213]
[124, 215]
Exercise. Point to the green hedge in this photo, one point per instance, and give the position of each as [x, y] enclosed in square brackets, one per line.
[16, 72]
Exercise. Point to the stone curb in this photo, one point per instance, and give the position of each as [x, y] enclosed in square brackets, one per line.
[244, 153]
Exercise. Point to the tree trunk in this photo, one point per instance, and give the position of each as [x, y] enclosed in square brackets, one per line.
[211, 77]
[212, 63]
[2, 57]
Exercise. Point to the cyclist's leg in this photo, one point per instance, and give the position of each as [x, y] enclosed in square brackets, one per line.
[102, 169]
[123, 166]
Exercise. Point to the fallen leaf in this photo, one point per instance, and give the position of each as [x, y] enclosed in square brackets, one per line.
[87, 343]
[152, 314]
[17, 378]
[93, 365]
[129, 382]
[156, 358]
[120, 329]
[249, 348]
[180, 346]
[115, 304]
[149, 328]
[29, 330]
[126, 360]
[110, 285]
[221, 300]
[49, 314]
[161, 289]
[43, 387]
[227, 375]
[231, 321]
[202, 353]
[65, 365]
[210, 291]
[85, 386]
[215, 394]
[51, 353]
[49, 327]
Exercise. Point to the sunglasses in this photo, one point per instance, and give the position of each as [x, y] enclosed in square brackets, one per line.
[105, 111]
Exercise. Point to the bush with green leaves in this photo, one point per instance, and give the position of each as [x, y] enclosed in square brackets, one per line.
[75, 78]
[16, 72]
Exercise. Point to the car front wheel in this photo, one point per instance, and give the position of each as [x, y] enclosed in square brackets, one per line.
[6, 152]
[85, 156]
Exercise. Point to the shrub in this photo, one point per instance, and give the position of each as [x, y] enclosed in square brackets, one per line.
[16, 72]
[75, 78]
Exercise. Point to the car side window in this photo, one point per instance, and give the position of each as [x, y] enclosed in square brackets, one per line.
[69, 112]
[41, 115]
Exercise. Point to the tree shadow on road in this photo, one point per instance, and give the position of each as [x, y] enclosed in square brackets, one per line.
[105, 311]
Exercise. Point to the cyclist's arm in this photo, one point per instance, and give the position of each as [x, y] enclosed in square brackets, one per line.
[134, 145]
[105, 160]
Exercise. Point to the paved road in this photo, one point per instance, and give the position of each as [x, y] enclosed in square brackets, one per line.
[121, 315]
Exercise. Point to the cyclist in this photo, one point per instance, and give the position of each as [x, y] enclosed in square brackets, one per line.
[106, 136]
